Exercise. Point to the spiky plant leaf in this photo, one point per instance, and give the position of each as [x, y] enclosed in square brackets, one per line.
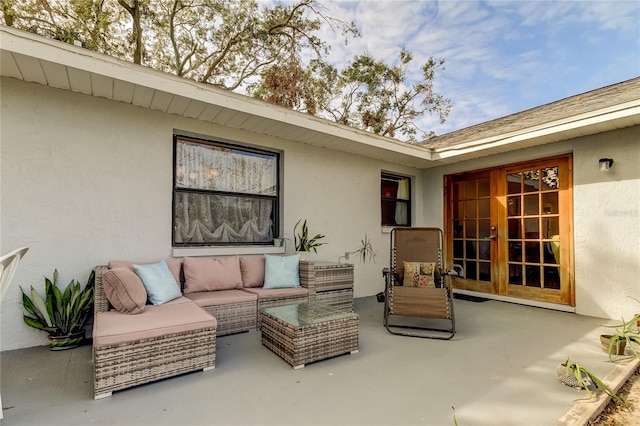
[39, 304]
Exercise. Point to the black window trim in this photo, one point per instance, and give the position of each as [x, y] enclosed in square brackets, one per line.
[386, 175]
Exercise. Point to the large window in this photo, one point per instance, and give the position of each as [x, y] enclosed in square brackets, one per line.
[395, 199]
[223, 194]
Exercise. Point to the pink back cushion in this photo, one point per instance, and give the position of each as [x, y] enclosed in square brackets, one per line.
[212, 273]
[124, 290]
[252, 268]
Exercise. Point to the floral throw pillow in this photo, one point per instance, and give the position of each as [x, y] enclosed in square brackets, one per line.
[419, 274]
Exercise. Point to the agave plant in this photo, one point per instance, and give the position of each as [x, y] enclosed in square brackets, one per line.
[576, 375]
[59, 313]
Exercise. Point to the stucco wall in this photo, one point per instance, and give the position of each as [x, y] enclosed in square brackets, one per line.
[85, 180]
[606, 215]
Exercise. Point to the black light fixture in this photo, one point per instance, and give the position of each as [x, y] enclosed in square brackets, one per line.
[605, 164]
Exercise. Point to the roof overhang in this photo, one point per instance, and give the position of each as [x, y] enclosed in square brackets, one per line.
[33, 58]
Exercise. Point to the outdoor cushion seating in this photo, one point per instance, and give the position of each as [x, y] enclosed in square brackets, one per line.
[134, 345]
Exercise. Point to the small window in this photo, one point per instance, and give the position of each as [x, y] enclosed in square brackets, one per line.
[395, 200]
[223, 194]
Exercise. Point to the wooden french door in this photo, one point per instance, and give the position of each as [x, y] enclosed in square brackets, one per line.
[510, 228]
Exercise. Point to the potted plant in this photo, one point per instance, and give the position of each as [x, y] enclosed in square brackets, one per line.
[364, 252]
[62, 314]
[303, 241]
[627, 335]
[577, 376]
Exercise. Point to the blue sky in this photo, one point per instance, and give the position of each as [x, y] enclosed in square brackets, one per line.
[501, 56]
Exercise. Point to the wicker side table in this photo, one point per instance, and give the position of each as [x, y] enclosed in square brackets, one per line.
[329, 283]
[309, 332]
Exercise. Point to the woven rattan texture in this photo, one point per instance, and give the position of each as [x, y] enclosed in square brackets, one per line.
[302, 345]
[279, 301]
[122, 366]
[234, 317]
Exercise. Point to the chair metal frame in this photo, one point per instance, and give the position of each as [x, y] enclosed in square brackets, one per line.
[423, 303]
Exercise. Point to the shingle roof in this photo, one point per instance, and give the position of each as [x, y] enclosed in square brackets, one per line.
[594, 100]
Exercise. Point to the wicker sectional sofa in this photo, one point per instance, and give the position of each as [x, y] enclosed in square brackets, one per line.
[179, 336]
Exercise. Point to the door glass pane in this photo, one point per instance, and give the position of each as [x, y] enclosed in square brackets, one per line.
[484, 188]
[551, 252]
[531, 230]
[531, 205]
[550, 203]
[470, 229]
[470, 189]
[471, 270]
[552, 277]
[458, 210]
[470, 211]
[515, 274]
[514, 229]
[550, 178]
[484, 228]
[457, 229]
[458, 190]
[515, 252]
[484, 271]
[531, 181]
[514, 183]
[471, 250]
[550, 226]
[485, 250]
[484, 208]
[513, 206]
[532, 252]
[458, 249]
[532, 276]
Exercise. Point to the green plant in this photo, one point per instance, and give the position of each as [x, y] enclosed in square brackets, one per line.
[59, 313]
[364, 252]
[302, 240]
[627, 332]
[585, 379]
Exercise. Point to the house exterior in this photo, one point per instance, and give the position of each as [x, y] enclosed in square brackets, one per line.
[91, 171]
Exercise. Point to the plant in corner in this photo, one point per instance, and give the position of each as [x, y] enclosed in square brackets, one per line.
[303, 241]
[627, 335]
[62, 314]
[364, 252]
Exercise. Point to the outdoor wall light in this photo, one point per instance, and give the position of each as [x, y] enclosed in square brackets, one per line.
[605, 164]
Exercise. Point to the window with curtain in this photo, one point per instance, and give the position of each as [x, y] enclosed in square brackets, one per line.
[395, 199]
[223, 194]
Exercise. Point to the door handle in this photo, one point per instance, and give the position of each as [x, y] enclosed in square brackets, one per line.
[490, 237]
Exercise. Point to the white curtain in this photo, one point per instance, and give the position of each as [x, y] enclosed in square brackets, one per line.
[222, 218]
[401, 208]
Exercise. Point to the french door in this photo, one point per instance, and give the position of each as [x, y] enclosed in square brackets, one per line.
[510, 228]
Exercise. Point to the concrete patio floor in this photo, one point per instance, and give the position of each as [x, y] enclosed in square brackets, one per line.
[499, 369]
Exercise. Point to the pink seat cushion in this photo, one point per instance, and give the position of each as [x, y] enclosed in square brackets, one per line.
[113, 327]
[270, 293]
[221, 297]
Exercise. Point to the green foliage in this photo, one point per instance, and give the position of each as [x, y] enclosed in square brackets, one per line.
[585, 378]
[628, 332]
[302, 240]
[59, 313]
[364, 252]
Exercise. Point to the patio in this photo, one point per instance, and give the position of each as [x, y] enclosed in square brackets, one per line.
[498, 369]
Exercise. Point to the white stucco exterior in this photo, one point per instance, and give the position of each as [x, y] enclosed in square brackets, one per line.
[86, 180]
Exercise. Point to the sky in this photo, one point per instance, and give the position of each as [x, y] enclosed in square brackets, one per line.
[501, 57]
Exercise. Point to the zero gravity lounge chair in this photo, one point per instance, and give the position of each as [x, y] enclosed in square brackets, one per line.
[418, 295]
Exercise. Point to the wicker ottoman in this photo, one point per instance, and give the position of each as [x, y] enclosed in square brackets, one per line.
[308, 332]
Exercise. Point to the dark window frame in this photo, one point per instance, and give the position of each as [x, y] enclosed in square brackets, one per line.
[276, 199]
[389, 198]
